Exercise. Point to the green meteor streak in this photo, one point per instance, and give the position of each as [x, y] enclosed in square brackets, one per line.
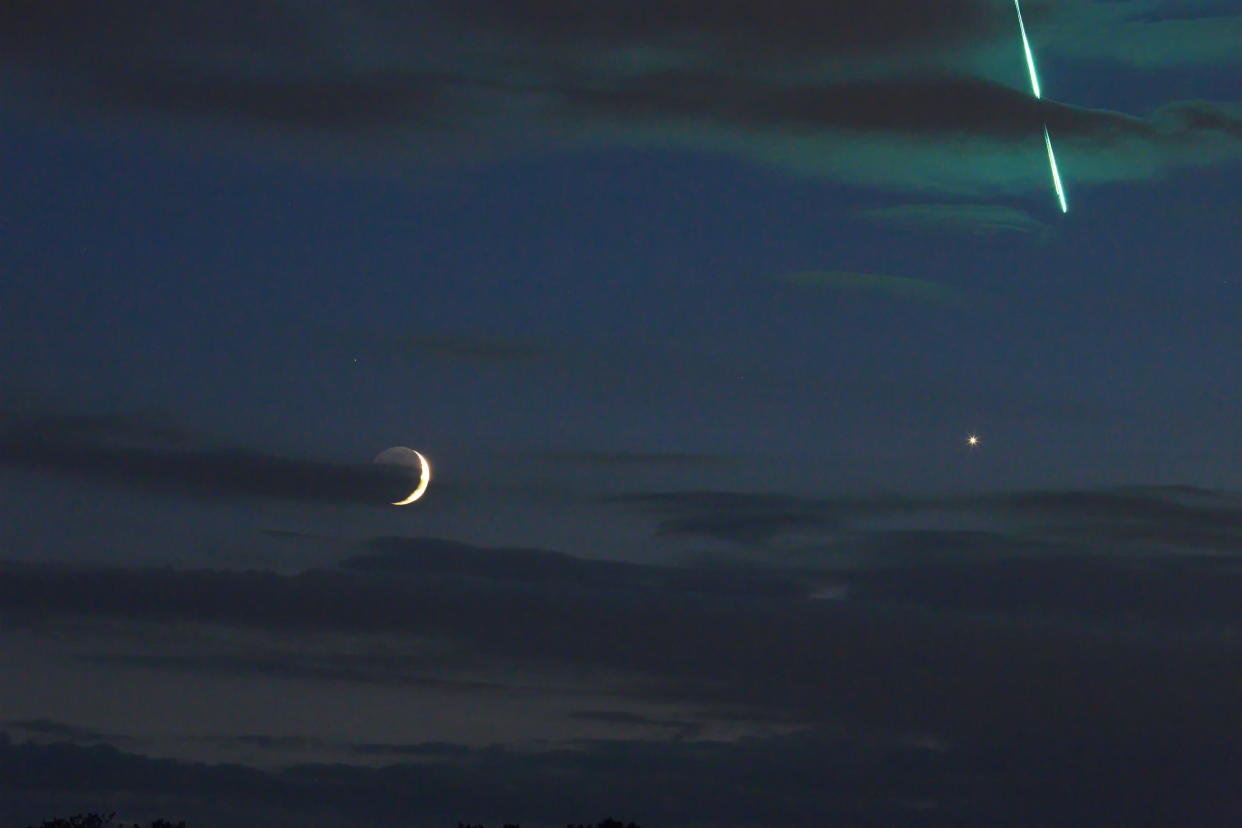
[1030, 65]
[1026, 44]
[1056, 176]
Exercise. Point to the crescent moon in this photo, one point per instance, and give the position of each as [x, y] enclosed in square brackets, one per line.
[402, 456]
[423, 479]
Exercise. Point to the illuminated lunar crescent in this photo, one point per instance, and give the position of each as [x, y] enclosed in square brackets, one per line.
[402, 456]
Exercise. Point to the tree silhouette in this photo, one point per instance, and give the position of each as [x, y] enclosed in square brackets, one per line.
[108, 821]
[607, 823]
[102, 821]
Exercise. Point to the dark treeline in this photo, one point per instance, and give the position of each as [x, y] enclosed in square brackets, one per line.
[109, 821]
[608, 823]
[102, 821]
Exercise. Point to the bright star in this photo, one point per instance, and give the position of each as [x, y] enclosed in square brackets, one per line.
[972, 440]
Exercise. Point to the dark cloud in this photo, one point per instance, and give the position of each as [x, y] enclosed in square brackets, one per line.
[1171, 505]
[389, 750]
[434, 557]
[976, 660]
[743, 25]
[1153, 534]
[110, 450]
[311, 744]
[291, 535]
[62, 731]
[938, 668]
[934, 107]
[897, 547]
[753, 528]
[1195, 591]
[27, 770]
[476, 349]
[266, 742]
[63, 37]
[691, 647]
[426, 750]
[348, 667]
[811, 778]
[874, 93]
[681, 728]
[1178, 517]
[1171, 517]
[739, 517]
[623, 459]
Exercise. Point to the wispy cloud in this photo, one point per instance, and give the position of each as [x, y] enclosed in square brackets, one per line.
[436, 557]
[977, 219]
[679, 728]
[62, 731]
[459, 346]
[625, 459]
[1178, 518]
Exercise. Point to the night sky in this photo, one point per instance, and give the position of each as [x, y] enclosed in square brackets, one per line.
[693, 307]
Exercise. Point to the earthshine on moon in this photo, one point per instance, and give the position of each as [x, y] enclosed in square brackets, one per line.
[402, 456]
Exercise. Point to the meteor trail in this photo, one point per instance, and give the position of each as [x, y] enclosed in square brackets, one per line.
[1056, 176]
[1026, 45]
[1030, 65]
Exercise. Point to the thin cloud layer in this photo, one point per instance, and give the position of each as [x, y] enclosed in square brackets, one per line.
[929, 694]
[52, 730]
[888, 652]
[976, 219]
[435, 557]
[920, 291]
[1177, 518]
[682, 635]
[474, 349]
[629, 459]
